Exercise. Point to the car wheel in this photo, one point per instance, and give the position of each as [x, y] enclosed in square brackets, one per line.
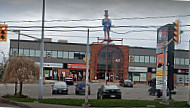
[98, 96]
[53, 92]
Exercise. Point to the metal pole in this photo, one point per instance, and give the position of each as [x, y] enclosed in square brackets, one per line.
[189, 75]
[107, 55]
[87, 69]
[164, 74]
[41, 56]
[16, 83]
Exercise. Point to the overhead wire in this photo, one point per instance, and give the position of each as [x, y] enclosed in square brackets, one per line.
[76, 20]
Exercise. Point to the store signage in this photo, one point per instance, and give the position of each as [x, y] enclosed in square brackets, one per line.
[138, 69]
[52, 65]
[77, 66]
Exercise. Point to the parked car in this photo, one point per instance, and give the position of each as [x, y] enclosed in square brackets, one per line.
[126, 83]
[59, 88]
[109, 92]
[69, 80]
[153, 91]
[80, 88]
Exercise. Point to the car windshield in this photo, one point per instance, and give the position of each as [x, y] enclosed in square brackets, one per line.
[69, 78]
[111, 87]
[60, 84]
[127, 80]
[81, 84]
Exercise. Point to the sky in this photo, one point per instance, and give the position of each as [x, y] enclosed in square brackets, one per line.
[73, 13]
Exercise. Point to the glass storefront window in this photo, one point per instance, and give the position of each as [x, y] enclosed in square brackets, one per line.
[136, 76]
[32, 52]
[142, 76]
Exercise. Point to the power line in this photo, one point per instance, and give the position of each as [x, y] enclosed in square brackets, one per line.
[77, 20]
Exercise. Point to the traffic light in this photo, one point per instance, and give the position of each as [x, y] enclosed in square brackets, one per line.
[85, 59]
[176, 31]
[3, 32]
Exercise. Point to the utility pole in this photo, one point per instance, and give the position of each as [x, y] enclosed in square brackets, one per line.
[189, 76]
[40, 93]
[16, 83]
[86, 104]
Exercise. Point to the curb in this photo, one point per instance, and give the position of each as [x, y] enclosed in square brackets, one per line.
[3, 100]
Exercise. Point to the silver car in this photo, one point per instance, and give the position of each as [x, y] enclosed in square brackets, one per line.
[59, 88]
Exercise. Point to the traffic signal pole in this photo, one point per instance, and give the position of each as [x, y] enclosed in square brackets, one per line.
[86, 104]
[164, 71]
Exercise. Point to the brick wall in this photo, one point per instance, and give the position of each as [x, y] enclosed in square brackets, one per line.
[93, 59]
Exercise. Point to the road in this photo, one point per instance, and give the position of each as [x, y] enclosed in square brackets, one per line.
[139, 91]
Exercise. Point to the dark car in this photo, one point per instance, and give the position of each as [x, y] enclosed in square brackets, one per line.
[109, 92]
[126, 83]
[59, 88]
[69, 80]
[153, 91]
[80, 88]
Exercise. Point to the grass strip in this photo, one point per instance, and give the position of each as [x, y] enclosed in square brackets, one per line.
[105, 102]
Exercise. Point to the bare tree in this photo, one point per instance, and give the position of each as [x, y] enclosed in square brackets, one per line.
[20, 69]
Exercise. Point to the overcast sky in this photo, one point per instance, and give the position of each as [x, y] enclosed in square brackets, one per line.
[31, 10]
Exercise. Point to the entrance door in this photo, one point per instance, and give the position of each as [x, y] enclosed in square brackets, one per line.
[110, 77]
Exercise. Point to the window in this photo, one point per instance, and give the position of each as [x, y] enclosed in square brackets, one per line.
[152, 59]
[76, 55]
[82, 55]
[146, 59]
[136, 58]
[65, 54]
[32, 52]
[21, 52]
[60, 54]
[186, 61]
[54, 54]
[71, 55]
[26, 52]
[176, 60]
[15, 51]
[142, 59]
[142, 76]
[182, 61]
[37, 53]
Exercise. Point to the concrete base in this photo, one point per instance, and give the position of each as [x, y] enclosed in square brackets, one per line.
[85, 105]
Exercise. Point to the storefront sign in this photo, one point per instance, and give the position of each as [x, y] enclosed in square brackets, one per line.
[138, 69]
[77, 66]
[52, 65]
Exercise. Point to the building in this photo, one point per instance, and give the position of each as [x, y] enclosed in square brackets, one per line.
[66, 59]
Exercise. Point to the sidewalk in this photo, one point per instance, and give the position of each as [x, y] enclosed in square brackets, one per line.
[35, 104]
[41, 105]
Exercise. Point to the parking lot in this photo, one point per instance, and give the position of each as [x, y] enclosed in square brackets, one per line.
[139, 91]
